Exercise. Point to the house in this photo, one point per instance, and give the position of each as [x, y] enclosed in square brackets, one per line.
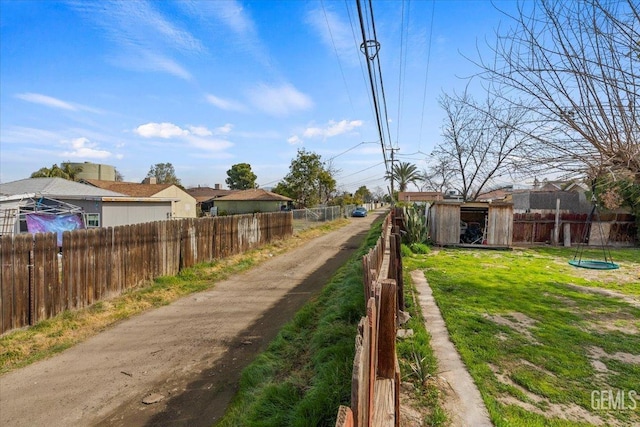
[497, 194]
[100, 207]
[205, 195]
[251, 201]
[183, 205]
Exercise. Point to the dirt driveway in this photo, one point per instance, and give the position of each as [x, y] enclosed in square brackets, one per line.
[188, 354]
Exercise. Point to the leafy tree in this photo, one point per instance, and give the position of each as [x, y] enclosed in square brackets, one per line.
[342, 199]
[404, 173]
[164, 173]
[240, 177]
[67, 171]
[362, 195]
[309, 181]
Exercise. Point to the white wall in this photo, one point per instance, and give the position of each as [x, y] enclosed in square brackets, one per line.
[122, 213]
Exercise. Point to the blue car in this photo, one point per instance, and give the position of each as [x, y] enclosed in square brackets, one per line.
[359, 212]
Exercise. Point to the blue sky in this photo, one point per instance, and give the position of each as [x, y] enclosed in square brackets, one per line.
[207, 84]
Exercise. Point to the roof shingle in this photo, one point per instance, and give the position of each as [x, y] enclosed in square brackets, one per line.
[129, 188]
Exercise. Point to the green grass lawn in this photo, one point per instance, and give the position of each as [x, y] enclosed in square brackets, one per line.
[547, 344]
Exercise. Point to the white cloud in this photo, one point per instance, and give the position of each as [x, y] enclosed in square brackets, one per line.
[200, 131]
[331, 129]
[279, 101]
[231, 15]
[160, 130]
[209, 144]
[295, 139]
[83, 148]
[335, 32]
[227, 128]
[143, 37]
[48, 101]
[21, 134]
[225, 104]
[195, 136]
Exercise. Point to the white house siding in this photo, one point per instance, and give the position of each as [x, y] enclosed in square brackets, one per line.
[122, 213]
[184, 207]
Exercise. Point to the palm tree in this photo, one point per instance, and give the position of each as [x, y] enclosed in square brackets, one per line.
[66, 171]
[404, 173]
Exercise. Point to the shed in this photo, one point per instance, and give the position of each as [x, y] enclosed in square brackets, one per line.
[473, 223]
[251, 201]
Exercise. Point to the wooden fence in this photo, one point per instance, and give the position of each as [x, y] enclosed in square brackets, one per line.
[38, 281]
[375, 389]
[539, 228]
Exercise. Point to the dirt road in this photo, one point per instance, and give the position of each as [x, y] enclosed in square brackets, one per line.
[188, 354]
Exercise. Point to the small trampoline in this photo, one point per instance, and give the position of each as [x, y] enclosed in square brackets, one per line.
[594, 265]
[607, 263]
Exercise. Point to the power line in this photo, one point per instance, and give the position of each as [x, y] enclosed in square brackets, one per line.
[426, 74]
[362, 170]
[344, 79]
[365, 46]
[403, 64]
[377, 58]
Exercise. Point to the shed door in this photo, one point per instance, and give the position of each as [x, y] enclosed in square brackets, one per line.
[500, 226]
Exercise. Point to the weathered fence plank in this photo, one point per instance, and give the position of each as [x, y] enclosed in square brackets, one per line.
[345, 417]
[387, 330]
[22, 246]
[90, 285]
[6, 283]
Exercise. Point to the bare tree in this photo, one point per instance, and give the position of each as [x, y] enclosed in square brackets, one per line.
[482, 144]
[438, 176]
[576, 63]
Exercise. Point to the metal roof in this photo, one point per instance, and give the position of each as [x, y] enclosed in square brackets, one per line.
[55, 187]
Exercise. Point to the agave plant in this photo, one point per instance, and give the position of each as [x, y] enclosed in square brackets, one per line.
[415, 225]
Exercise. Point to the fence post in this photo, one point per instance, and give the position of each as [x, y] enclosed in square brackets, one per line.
[387, 330]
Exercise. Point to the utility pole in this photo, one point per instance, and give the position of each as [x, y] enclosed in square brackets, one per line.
[393, 150]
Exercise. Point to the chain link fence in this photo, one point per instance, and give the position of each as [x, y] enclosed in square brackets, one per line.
[305, 218]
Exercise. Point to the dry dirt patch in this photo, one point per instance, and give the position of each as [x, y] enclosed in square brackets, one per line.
[519, 322]
[542, 406]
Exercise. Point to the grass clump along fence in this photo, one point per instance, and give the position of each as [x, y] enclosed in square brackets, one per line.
[540, 337]
[305, 373]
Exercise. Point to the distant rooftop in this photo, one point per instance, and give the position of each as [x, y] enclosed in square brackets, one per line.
[129, 188]
[202, 194]
[255, 194]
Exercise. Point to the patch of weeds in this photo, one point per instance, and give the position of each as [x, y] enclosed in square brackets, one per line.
[405, 251]
[419, 248]
[418, 364]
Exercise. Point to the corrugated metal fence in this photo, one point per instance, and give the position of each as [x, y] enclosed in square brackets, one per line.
[37, 281]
